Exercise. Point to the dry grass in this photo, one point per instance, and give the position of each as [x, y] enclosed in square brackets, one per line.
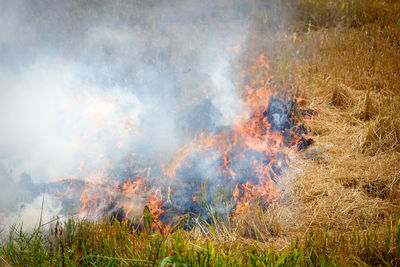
[309, 15]
[3, 262]
[348, 69]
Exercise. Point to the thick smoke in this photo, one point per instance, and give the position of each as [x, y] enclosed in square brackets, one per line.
[86, 84]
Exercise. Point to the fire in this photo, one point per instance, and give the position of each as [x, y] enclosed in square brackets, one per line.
[244, 161]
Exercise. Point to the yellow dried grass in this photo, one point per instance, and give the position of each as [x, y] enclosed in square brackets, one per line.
[351, 176]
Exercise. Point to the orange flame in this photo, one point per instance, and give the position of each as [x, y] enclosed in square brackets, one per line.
[255, 134]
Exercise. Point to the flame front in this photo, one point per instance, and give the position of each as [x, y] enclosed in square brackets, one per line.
[244, 162]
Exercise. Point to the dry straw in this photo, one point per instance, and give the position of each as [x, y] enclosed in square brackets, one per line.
[350, 178]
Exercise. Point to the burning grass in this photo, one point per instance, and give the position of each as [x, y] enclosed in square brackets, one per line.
[342, 60]
[242, 162]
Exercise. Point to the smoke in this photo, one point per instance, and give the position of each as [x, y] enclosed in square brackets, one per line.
[42, 211]
[86, 84]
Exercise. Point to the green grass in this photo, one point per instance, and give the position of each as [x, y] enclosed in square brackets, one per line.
[76, 243]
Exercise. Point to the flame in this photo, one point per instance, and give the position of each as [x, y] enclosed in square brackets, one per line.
[251, 156]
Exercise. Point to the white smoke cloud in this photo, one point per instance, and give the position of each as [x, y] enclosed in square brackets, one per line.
[43, 210]
[35, 136]
[83, 86]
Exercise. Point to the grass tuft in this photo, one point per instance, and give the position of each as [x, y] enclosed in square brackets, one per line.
[102, 243]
